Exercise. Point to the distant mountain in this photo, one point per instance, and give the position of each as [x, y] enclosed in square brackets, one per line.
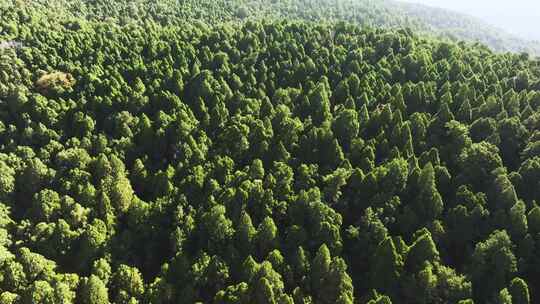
[455, 25]
[438, 22]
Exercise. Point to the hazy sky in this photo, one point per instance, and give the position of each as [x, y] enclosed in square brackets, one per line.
[520, 17]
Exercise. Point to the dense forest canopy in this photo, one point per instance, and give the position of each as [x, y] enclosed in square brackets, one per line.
[441, 23]
[148, 155]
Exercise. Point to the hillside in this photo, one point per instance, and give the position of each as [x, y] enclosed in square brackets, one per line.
[148, 157]
[427, 20]
[456, 26]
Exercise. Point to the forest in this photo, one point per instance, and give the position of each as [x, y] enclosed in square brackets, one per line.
[178, 151]
[390, 14]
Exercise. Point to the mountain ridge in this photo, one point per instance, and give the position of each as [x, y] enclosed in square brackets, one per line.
[432, 21]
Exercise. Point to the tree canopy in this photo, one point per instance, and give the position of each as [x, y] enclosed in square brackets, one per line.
[152, 156]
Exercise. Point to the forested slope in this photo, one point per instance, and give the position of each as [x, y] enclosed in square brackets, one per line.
[391, 14]
[272, 161]
[457, 26]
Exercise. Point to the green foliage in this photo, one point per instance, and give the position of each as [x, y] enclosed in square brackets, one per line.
[93, 291]
[519, 291]
[422, 250]
[387, 267]
[262, 152]
[493, 263]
